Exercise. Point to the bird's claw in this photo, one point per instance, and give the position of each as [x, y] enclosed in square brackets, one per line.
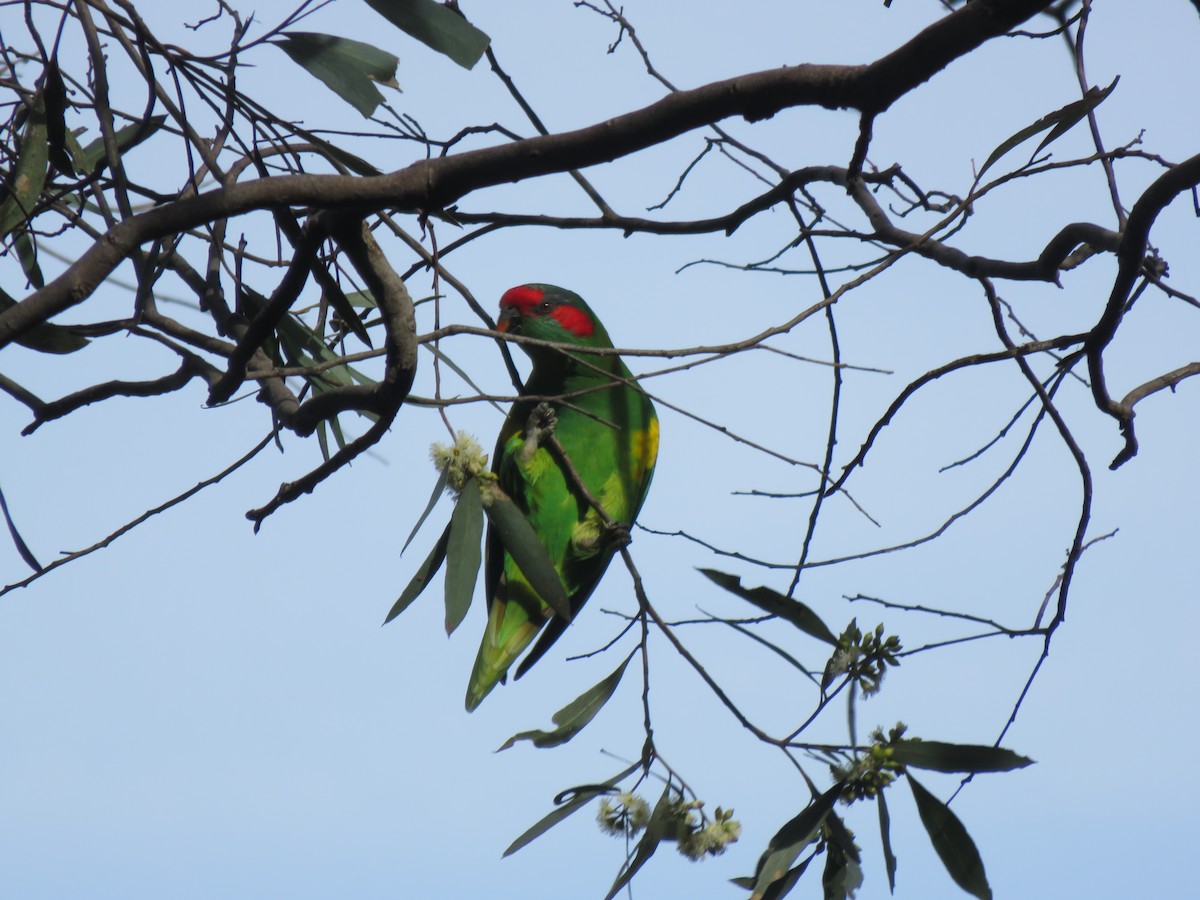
[617, 535]
[542, 421]
[539, 426]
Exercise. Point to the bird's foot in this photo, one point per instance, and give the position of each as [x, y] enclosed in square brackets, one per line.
[539, 426]
[617, 536]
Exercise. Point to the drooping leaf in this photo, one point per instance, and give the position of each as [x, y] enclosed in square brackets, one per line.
[362, 298]
[656, 829]
[779, 888]
[29, 173]
[347, 313]
[46, 337]
[55, 92]
[27, 254]
[580, 797]
[19, 542]
[437, 27]
[349, 68]
[843, 872]
[885, 838]
[950, 839]
[776, 604]
[463, 553]
[790, 840]
[91, 158]
[1059, 122]
[438, 489]
[521, 541]
[943, 757]
[458, 370]
[425, 571]
[572, 718]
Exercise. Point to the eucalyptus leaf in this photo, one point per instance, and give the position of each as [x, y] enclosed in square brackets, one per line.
[439, 28]
[54, 92]
[1058, 123]
[572, 718]
[425, 571]
[843, 871]
[29, 173]
[92, 158]
[776, 604]
[438, 490]
[943, 757]
[885, 838]
[517, 536]
[791, 839]
[349, 68]
[580, 797]
[23, 548]
[463, 553]
[46, 337]
[951, 841]
[656, 830]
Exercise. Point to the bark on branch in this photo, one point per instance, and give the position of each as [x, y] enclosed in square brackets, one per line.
[436, 183]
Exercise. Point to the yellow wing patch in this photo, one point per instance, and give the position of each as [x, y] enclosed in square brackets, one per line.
[644, 449]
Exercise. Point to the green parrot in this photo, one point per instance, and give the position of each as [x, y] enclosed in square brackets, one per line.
[608, 430]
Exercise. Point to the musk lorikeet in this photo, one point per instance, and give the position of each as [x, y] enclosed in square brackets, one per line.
[607, 429]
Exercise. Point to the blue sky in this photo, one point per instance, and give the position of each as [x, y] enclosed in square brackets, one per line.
[198, 711]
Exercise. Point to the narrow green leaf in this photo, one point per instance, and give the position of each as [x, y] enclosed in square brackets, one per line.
[92, 158]
[776, 604]
[27, 254]
[951, 841]
[47, 337]
[885, 837]
[780, 887]
[656, 829]
[580, 797]
[19, 542]
[843, 872]
[790, 840]
[29, 173]
[572, 718]
[323, 440]
[437, 27]
[519, 539]
[457, 370]
[55, 92]
[347, 314]
[1060, 121]
[425, 571]
[438, 489]
[362, 298]
[349, 68]
[943, 757]
[463, 553]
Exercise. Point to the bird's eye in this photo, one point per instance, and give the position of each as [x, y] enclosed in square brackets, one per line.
[545, 306]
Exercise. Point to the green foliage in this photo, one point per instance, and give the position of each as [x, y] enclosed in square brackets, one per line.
[436, 26]
[1058, 123]
[776, 604]
[951, 841]
[572, 718]
[568, 802]
[349, 68]
[463, 554]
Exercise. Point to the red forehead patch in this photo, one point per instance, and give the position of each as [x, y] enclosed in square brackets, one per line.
[574, 320]
[523, 298]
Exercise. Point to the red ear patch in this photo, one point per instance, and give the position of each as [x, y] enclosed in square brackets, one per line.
[573, 320]
[523, 298]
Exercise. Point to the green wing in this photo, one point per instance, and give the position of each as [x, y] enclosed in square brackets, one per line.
[611, 438]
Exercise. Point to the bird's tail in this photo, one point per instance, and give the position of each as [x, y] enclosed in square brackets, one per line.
[509, 631]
